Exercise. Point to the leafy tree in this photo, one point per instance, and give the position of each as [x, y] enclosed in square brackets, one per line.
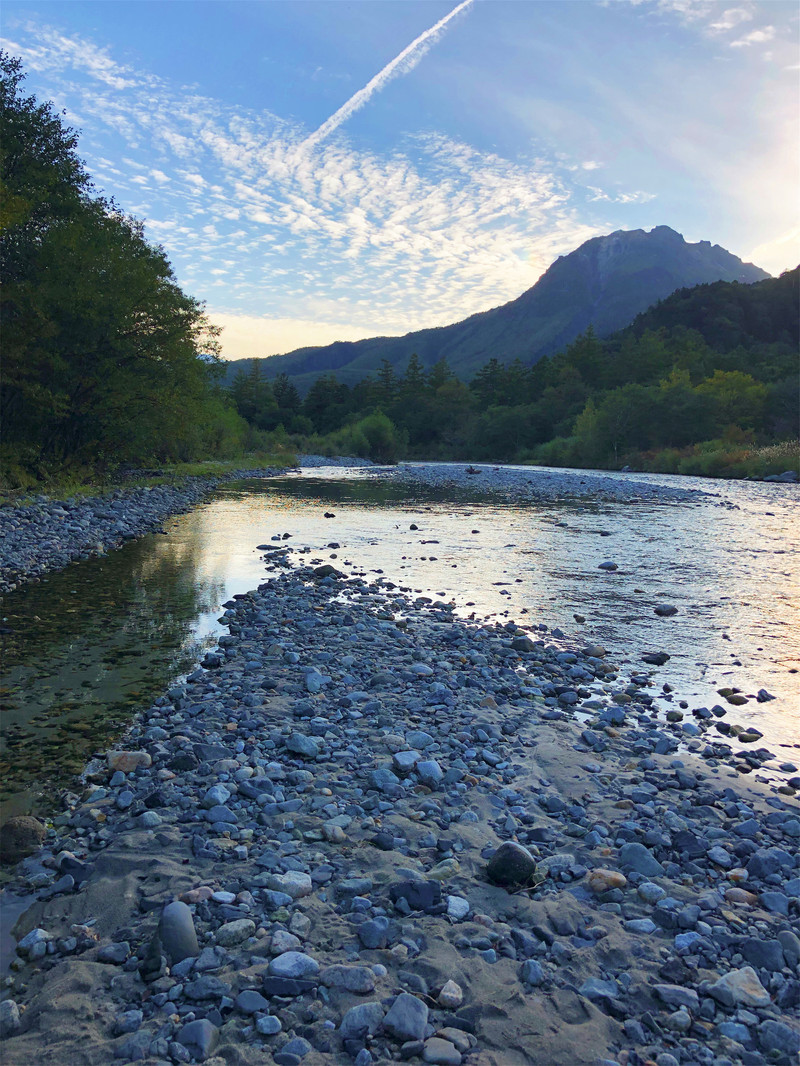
[105, 357]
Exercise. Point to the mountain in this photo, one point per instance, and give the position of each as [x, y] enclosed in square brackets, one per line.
[605, 283]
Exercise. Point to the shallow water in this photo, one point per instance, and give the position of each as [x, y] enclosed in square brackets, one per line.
[87, 647]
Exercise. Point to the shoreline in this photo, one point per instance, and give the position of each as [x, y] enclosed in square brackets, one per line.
[47, 534]
[326, 794]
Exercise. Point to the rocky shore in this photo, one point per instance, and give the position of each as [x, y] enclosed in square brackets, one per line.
[45, 534]
[365, 831]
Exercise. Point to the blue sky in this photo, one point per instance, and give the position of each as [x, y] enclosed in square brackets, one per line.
[335, 170]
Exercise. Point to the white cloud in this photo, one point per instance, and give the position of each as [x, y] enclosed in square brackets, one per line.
[756, 37]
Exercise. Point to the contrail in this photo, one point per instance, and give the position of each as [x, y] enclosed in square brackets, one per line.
[401, 64]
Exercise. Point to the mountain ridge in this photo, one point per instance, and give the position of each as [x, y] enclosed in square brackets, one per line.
[604, 283]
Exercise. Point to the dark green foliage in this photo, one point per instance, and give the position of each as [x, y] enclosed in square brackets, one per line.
[104, 357]
[654, 389]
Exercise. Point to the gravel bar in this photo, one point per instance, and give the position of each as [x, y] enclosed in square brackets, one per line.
[364, 831]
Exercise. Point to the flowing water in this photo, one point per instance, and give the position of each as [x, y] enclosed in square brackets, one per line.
[87, 647]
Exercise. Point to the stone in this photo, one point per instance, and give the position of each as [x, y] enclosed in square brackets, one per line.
[790, 943]
[357, 979]
[451, 996]
[199, 1037]
[362, 1020]
[762, 954]
[235, 932]
[9, 1018]
[740, 988]
[293, 964]
[637, 857]
[34, 944]
[596, 989]
[407, 1018]
[268, 1025]
[249, 1001]
[650, 892]
[177, 933]
[299, 744]
[777, 1036]
[294, 883]
[457, 908]
[420, 895]
[720, 857]
[430, 773]
[114, 953]
[532, 973]
[602, 880]
[678, 996]
[511, 865]
[374, 933]
[441, 1051]
[20, 836]
[126, 761]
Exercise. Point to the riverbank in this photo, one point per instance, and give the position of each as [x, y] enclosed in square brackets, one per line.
[398, 835]
[44, 534]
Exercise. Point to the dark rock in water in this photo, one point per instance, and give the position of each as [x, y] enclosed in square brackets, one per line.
[420, 895]
[326, 570]
[20, 836]
[665, 610]
[177, 932]
[511, 865]
[199, 1038]
[655, 658]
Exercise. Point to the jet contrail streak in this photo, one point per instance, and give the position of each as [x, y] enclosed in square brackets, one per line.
[401, 64]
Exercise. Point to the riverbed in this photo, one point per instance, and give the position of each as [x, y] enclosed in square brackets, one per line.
[88, 647]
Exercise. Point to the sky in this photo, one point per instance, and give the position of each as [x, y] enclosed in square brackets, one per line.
[321, 171]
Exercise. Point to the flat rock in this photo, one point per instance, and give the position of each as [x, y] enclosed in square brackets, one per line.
[740, 988]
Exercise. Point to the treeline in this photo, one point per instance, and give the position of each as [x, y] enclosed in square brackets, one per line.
[105, 359]
[707, 375]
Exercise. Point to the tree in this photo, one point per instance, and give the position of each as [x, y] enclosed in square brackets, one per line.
[104, 356]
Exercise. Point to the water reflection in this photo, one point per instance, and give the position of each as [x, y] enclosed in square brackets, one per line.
[91, 645]
[88, 646]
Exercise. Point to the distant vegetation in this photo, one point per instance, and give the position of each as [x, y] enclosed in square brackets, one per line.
[706, 383]
[105, 359]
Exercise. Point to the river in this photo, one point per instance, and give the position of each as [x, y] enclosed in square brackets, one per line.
[86, 647]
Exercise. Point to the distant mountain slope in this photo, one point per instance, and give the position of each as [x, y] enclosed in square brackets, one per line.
[604, 283]
[729, 315]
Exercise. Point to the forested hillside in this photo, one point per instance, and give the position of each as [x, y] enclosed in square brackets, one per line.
[698, 384]
[604, 283]
[105, 359]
